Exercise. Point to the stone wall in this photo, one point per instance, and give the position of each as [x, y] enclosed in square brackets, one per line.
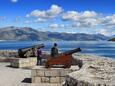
[8, 53]
[53, 75]
[23, 62]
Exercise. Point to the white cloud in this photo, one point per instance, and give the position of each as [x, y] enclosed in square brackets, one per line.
[106, 32]
[85, 19]
[28, 22]
[81, 19]
[89, 14]
[71, 15]
[55, 26]
[37, 13]
[40, 20]
[108, 21]
[51, 13]
[14, 1]
[54, 11]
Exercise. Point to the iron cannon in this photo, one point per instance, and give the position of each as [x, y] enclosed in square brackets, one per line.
[29, 51]
[63, 59]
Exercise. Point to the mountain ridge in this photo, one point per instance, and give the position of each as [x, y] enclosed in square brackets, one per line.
[27, 33]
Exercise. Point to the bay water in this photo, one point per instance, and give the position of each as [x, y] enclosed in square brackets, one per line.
[101, 48]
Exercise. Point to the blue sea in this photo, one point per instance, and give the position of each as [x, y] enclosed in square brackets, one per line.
[101, 48]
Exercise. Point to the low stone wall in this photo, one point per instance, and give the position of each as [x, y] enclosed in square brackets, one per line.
[53, 75]
[8, 53]
[23, 62]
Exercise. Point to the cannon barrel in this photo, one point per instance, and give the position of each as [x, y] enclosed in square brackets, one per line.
[69, 52]
[23, 51]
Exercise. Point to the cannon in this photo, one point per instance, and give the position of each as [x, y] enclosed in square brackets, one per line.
[29, 51]
[63, 60]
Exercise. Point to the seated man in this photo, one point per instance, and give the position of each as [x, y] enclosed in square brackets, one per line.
[54, 50]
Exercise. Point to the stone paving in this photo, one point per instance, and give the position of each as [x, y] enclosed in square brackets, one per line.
[17, 77]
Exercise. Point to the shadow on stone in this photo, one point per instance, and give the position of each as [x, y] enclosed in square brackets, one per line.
[11, 66]
[26, 80]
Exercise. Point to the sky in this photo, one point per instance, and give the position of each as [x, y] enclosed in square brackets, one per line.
[72, 16]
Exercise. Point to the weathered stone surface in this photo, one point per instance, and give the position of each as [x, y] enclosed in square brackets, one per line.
[40, 72]
[53, 75]
[96, 71]
[36, 80]
[23, 62]
[33, 73]
[54, 79]
[62, 79]
[52, 72]
[64, 72]
[45, 79]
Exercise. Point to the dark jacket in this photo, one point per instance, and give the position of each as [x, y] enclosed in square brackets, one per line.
[54, 51]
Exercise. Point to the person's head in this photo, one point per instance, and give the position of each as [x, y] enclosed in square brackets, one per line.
[55, 44]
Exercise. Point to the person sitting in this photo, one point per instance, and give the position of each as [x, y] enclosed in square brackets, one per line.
[39, 56]
[54, 50]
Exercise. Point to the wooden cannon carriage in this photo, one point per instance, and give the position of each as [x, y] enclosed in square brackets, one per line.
[64, 59]
[29, 51]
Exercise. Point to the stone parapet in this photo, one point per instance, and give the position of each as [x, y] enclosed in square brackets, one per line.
[53, 75]
[23, 62]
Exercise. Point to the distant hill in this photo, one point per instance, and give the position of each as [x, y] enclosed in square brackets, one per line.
[30, 34]
[113, 39]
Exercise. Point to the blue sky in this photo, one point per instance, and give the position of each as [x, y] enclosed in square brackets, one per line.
[73, 16]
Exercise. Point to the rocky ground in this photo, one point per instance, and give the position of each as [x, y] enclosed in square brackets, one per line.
[96, 71]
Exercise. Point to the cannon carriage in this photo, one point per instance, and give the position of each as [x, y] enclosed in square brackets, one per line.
[63, 60]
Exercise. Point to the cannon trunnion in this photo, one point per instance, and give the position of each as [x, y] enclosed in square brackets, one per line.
[64, 59]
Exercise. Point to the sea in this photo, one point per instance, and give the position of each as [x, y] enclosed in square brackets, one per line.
[100, 48]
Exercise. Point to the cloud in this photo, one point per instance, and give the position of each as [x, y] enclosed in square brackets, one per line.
[108, 21]
[55, 26]
[46, 14]
[106, 32]
[88, 19]
[28, 22]
[74, 19]
[81, 19]
[40, 20]
[14, 1]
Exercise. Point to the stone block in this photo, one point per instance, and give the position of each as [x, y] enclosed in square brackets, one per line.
[52, 72]
[36, 80]
[23, 62]
[64, 72]
[32, 63]
[33, 73]
[54, 79]
[40, 73]
[62, 79]
[34, 59]
[45, 79]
